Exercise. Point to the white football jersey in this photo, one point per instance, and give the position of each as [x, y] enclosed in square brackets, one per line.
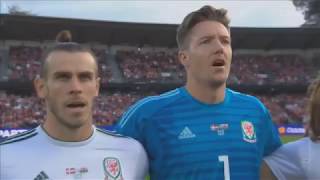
[104, 156]
[296, 160]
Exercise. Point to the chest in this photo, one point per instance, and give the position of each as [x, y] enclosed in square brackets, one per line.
[70, 163]
[206, 144]
[208, 127]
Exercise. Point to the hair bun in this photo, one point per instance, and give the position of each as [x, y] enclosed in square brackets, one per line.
[64, 36]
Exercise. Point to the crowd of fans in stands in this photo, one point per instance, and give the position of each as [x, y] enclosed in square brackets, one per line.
[149, 66]
[282, 69]
[156, 66]
[24, 62]
[17, 111]
[285, 108]
[246, 69]
[104, 68]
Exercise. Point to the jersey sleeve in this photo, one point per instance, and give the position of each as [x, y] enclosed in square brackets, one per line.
[285, 162]
[271, 135]
[3, 166]
[130, 124]
[142, 165]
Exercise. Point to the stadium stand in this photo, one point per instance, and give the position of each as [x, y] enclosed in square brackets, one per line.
[24, 62]
[281, 69]
[150, 66]
[154, 66]
[27, 111]
[135, 63]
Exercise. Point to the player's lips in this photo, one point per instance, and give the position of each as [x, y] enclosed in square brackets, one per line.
[218, 62]
[76, 105]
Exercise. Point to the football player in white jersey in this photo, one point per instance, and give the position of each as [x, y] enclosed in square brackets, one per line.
[67, 145]
[300, 159]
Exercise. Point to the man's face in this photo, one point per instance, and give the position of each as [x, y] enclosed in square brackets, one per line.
[207, 57]
[70, 88]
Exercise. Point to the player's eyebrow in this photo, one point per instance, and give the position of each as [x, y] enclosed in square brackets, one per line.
[214, 36]
[61, 73]
[86, 74]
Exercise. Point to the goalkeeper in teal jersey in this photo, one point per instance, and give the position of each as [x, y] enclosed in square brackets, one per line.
[203, 130]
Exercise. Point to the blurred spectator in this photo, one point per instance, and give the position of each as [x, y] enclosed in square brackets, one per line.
[150, 66]
[104, 69]
[25, 62]
[23, 112]
[273, 69]
[246, 69]
[285, 108]
[155, 66]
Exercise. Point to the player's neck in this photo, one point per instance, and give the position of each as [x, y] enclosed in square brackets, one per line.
[61, 132]
[207, 94]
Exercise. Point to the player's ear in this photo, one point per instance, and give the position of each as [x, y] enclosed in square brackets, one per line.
[39, 85]
[184, 58]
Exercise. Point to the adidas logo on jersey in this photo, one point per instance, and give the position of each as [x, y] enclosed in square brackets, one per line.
[186, 133]
[42, 176]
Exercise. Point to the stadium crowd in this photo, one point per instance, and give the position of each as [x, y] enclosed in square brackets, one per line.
[288, 69]
[27, 111]
[156, 66]
[104, 68]
[150, 66]
[24, 62]
[246, 69]
[285, 108]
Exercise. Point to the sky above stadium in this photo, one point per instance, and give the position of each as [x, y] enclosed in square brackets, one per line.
[243, 13]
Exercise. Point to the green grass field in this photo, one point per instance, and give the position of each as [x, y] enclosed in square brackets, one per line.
[286, 139]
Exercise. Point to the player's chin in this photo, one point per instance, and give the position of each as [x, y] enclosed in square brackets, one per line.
[77, 123]
[219, 78]
[217, 82]
[78, 119]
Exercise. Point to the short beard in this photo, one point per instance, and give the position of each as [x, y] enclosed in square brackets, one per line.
[61, 120]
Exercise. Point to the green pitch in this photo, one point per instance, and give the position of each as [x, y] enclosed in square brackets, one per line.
[286, 139]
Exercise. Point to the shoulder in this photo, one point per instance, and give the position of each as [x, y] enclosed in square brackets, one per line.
[21, 137]
[109, 133]
[288, 161]
[151, 104]
[314, 144]
[116, 137]
[158, 100]
[125, 143]
[293, 150]
[246, 100]
[241, 97]
[296, 146]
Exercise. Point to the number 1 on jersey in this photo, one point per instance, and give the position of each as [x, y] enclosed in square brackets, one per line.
[226, 168]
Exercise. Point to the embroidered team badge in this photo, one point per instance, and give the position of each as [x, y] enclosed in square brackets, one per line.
[248, 132]
[112, 169]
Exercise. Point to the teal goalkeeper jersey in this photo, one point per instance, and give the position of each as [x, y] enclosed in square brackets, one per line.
[187, 139]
